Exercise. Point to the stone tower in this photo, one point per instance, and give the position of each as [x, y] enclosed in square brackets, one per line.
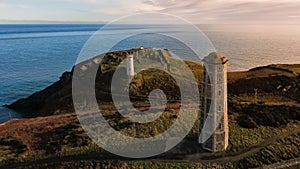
[214, 119]
[130, 66]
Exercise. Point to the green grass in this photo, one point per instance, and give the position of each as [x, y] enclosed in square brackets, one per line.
[242, 138]
[283, 149]
[71, 141]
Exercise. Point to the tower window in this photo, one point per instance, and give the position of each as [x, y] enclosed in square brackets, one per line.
[219, 68]
[220, 92]
[220, 108]
[220, 126]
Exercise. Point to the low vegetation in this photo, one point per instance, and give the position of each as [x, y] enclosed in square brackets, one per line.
[264, 126]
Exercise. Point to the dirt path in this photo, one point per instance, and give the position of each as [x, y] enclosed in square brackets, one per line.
[236, 156]
[203, 157]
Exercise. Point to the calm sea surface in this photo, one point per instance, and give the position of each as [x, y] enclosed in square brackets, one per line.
[34, 56]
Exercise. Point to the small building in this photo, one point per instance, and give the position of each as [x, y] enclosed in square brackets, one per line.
[214, 118]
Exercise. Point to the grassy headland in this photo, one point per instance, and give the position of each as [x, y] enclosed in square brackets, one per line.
[264, 120]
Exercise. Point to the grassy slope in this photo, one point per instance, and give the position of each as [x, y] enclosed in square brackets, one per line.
[54, 137]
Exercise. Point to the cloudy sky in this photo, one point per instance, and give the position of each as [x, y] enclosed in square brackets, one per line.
[195, 11]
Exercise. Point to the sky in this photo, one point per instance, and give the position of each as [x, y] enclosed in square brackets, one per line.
[195, 11]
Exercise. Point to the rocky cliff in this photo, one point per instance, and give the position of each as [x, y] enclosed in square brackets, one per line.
[264, 119]
[57, 98]
[269, 85]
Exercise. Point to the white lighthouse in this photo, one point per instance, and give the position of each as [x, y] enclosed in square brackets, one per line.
[130, 66]
[214, 118]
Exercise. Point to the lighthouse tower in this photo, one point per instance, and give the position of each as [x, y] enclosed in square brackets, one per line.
[214, 118]
[130, 66]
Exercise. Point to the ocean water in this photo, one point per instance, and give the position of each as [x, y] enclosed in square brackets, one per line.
[34, 56]
[249, 46]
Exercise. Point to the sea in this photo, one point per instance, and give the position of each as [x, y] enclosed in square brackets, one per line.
[33, 56]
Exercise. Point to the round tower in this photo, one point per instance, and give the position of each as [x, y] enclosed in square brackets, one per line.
[214, 118]
[130, 66]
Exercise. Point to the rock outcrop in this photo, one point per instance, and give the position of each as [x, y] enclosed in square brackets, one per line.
[273, 83]
[57, 98]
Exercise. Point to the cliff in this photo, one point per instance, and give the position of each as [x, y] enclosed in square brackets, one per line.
[268, 84]
[264, 119]
[57, 98]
